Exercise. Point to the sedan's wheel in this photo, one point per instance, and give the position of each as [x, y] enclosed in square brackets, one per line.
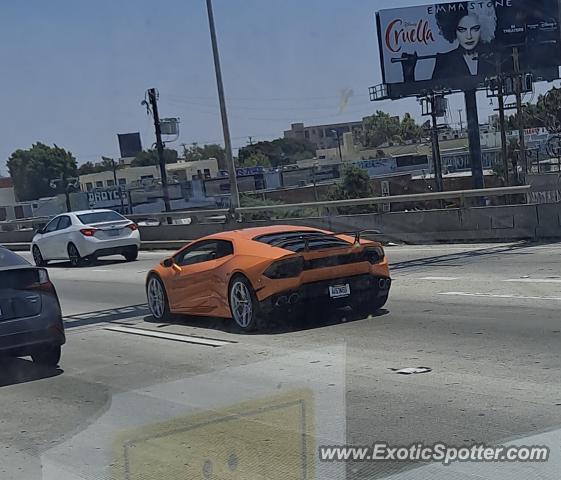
[74, 255]
[131, 254]
[37, 257]
[49, 356]
[244, 305]
[157, 298]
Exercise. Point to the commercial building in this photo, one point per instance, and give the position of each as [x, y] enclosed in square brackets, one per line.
[7, 194]
[324, 136]
[137, 176]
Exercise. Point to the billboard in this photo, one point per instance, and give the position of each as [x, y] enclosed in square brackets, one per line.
[129, 144]
[458, 45]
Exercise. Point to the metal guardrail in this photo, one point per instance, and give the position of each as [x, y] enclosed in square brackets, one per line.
[418, 197]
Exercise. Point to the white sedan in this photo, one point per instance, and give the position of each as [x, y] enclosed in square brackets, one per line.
[84, 236]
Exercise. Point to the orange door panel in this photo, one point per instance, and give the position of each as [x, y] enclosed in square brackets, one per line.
[189, 290]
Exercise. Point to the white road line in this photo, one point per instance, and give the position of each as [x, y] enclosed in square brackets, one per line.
[170, 336]
[492, 295]
[439, 278]
[534, 280]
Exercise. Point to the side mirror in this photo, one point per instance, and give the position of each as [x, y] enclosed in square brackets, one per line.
[168, 262]
[40, 231]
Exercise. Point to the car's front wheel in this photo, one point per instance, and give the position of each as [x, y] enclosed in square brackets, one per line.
[38, 257]
[48, 356]
[157, 298]
[244, 305]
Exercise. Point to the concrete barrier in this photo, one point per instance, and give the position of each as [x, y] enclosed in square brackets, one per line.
[478, 224]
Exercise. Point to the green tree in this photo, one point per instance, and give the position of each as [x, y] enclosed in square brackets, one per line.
[33, 170]
[150, 157]
[409, 130]
[256, 159]
[282, 151]
[355, 184]
[381, 128]
[87, 168]
[195, 152]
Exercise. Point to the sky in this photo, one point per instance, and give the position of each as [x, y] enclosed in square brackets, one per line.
[75, 72]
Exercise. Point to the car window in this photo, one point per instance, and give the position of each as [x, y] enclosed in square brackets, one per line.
[10, 259]
[52, 225]
[99, 217]
[204, 251]
[64, 222]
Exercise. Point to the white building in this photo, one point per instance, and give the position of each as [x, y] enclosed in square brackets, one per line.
[136, 176]
[7, 194]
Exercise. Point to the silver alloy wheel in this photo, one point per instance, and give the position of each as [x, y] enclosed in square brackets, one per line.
[156, 301]
[241, 302]
[37, 257]
[73, 255]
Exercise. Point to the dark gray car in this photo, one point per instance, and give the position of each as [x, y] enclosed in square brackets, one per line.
[30, 314]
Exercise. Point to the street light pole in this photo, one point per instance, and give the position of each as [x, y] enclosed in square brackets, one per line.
[336, 132]
[234, 193]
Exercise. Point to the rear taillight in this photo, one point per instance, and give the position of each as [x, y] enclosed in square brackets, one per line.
[42, 282]
[288, 268]
[88, 232]
[132, 226]
[374, 254]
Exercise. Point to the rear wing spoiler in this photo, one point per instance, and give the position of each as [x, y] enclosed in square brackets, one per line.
[356, 234]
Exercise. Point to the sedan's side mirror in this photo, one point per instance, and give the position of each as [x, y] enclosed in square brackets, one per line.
[40, 231]
[168, 262]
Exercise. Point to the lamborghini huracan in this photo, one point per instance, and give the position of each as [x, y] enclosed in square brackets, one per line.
[251, 274]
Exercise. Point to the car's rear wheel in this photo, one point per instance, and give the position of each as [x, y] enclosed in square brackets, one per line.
[38, 257]
[244, 305]
[74, 255]
[131, 254]
[157, 298]
[49, 356]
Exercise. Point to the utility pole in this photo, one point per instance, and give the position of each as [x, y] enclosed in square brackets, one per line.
[234, 193]
[152, 98]
[436, 159]
[250, 140]
[336, 132]
[518, 87]
[502, 128]
[461, 123]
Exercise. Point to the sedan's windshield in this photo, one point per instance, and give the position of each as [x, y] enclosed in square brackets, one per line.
[99, 217]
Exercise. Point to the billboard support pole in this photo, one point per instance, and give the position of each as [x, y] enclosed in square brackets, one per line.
[436, 160]
[503, 131]
[473, 139]
[518, 87]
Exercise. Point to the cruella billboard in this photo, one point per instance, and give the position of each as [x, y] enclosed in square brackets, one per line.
[458, 45]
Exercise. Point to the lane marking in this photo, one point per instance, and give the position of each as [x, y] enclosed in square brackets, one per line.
[534, 280]
[493, 295]
[439, 278]
[171, 336]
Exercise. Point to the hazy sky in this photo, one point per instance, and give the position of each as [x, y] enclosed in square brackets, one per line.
[75, 71]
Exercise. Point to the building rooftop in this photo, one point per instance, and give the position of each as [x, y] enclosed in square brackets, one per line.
[6, 182]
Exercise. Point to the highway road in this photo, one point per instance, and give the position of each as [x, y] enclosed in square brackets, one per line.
[196, 399]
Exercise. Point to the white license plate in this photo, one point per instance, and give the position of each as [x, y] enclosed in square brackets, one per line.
[113, 233]
[337, 291]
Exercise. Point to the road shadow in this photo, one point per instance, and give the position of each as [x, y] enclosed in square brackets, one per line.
[290, 323]
[463, 256]
[19, 370]
[110, 315]
[100, 263]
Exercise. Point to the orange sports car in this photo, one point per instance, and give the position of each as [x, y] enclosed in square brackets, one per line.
[250, 274]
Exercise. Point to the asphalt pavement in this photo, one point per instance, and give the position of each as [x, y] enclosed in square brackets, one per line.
[195, 398]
